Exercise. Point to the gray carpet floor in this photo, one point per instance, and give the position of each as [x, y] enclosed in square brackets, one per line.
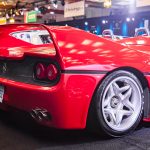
[19, 132]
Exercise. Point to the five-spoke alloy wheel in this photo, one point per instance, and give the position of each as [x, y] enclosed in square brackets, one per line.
[118, 103]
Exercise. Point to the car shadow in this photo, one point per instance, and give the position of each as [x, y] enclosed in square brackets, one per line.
[23, 124]
[19, 125]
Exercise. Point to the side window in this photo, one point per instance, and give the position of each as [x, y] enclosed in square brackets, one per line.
[36, 37]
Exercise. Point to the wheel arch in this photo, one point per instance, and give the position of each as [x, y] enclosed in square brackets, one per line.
[145, 86]
[143, 82]
[140, 76]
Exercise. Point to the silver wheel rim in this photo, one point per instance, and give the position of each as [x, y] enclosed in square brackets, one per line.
[121, 103]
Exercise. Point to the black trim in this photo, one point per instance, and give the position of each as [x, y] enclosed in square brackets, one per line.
[23, 70]
[83, 72]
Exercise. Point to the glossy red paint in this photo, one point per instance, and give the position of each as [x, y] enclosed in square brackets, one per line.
[75, 50]
[67, 102]
[94, 52]
[139, 40]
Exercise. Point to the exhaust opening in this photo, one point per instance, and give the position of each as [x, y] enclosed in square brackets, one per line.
[40, 114]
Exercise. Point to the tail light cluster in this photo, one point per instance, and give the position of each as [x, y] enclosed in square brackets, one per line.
[45, 72]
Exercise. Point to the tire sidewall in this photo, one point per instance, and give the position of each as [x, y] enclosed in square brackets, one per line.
[98, 102]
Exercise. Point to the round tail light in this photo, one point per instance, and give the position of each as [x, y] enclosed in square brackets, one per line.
[40, 71]
[52, 72]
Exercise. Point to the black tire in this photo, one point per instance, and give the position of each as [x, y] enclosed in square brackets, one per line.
[99, 121]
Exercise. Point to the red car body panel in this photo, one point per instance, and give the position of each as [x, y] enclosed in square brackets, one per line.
[67, 103]
[92, 51]
[84, 59]
[20, 52]
[139, 40]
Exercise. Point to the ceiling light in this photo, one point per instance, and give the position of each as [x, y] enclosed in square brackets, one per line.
[86, 23]
[52, 13]
[107, 3]
[104, 21]
[4, 3]
[36, 9]
[12, 20]
[128, 19]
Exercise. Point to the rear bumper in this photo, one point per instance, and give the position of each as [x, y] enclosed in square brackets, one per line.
[67, 102]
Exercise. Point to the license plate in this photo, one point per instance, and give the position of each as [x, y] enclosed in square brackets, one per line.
[1, 93]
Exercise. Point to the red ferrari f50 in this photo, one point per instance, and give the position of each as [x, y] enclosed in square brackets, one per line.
[67, 78]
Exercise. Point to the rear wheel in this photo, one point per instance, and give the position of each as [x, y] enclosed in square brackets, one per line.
[118, 104]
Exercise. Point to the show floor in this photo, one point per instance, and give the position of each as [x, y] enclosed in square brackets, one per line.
[19, 132]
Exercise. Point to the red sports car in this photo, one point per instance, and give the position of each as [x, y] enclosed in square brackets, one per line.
[67, 78]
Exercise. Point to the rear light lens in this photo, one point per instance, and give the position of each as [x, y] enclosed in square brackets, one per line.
[46, 72]
[52, 72]
[40, 71]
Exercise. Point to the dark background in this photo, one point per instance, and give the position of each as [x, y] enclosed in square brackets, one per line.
[117, 23]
